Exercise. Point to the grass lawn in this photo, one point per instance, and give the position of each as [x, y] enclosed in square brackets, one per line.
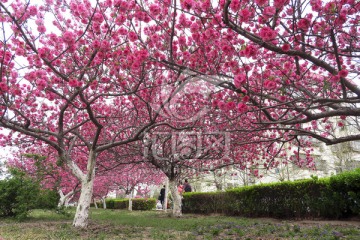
[121, 224]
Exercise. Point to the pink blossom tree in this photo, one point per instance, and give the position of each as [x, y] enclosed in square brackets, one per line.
[88, 78]
[75, 75]
[292, 65]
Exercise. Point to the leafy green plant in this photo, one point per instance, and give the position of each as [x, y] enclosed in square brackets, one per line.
[20, 193]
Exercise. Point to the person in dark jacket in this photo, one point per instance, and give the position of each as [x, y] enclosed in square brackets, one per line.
[162, 196]
[187, 186]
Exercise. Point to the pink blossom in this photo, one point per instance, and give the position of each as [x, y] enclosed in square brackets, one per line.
[32, 10]
[68, 37]
[133, 36]
[74, 83]
[187, 4]
[98, 17]
[221, 105]
[269, 11]
[230, 106]
[235, 5]
[282, 98]
[41, 29]
[241, 107]
[250, 50]
[343, 73]
[154, 9]
[269, 85]
[215, 103]
[41, 84]
[239, 80]
[303, 24]
[285, 47]
[340, 124]
[194, 27]
[120, 20]
[3, 87]
[267, 34]
[245, 15]
[280, 3]
[261, 2]
[246, 99]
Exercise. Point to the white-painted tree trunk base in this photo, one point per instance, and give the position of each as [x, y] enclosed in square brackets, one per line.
[81, 219]
[176, 212]
[104, 202]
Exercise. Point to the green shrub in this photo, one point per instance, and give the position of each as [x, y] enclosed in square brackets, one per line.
[204, 203]
[334, 197]
[137, 203]
[121, 203]
[48, 199]
[18, 195]
[110, 203]
[143, 203]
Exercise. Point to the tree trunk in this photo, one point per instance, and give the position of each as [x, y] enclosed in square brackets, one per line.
[176, 198]
[104, 202]
[81, 219]
[130, 200]
[96, 206]
[67, 200]
[166, 199]
[64, 199]
[61, 199]
[82, 211]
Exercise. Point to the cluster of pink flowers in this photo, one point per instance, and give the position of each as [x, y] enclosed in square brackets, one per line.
[250, 51]
[269, 84]
[154, 9]
[235, 5]
[303, 24]
[267, 34]
[285, 47]
[343, 73]
[187, 4]
[3, 87]
[242, 107]
[41, 84]
[68, 38]
[239, 80]
[132, 36]
[279, 4]
[245, 15]
[74, 83]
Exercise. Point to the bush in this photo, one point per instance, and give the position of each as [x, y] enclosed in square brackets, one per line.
[334, 197]
[18, 195]
[203, 203]
[143, 203]
[137, 203]
[48, 199]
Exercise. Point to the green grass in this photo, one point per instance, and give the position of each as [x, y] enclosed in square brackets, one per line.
[122, 224]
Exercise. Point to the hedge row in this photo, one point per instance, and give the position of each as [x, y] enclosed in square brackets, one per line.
[123, 203]
[334, 197]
